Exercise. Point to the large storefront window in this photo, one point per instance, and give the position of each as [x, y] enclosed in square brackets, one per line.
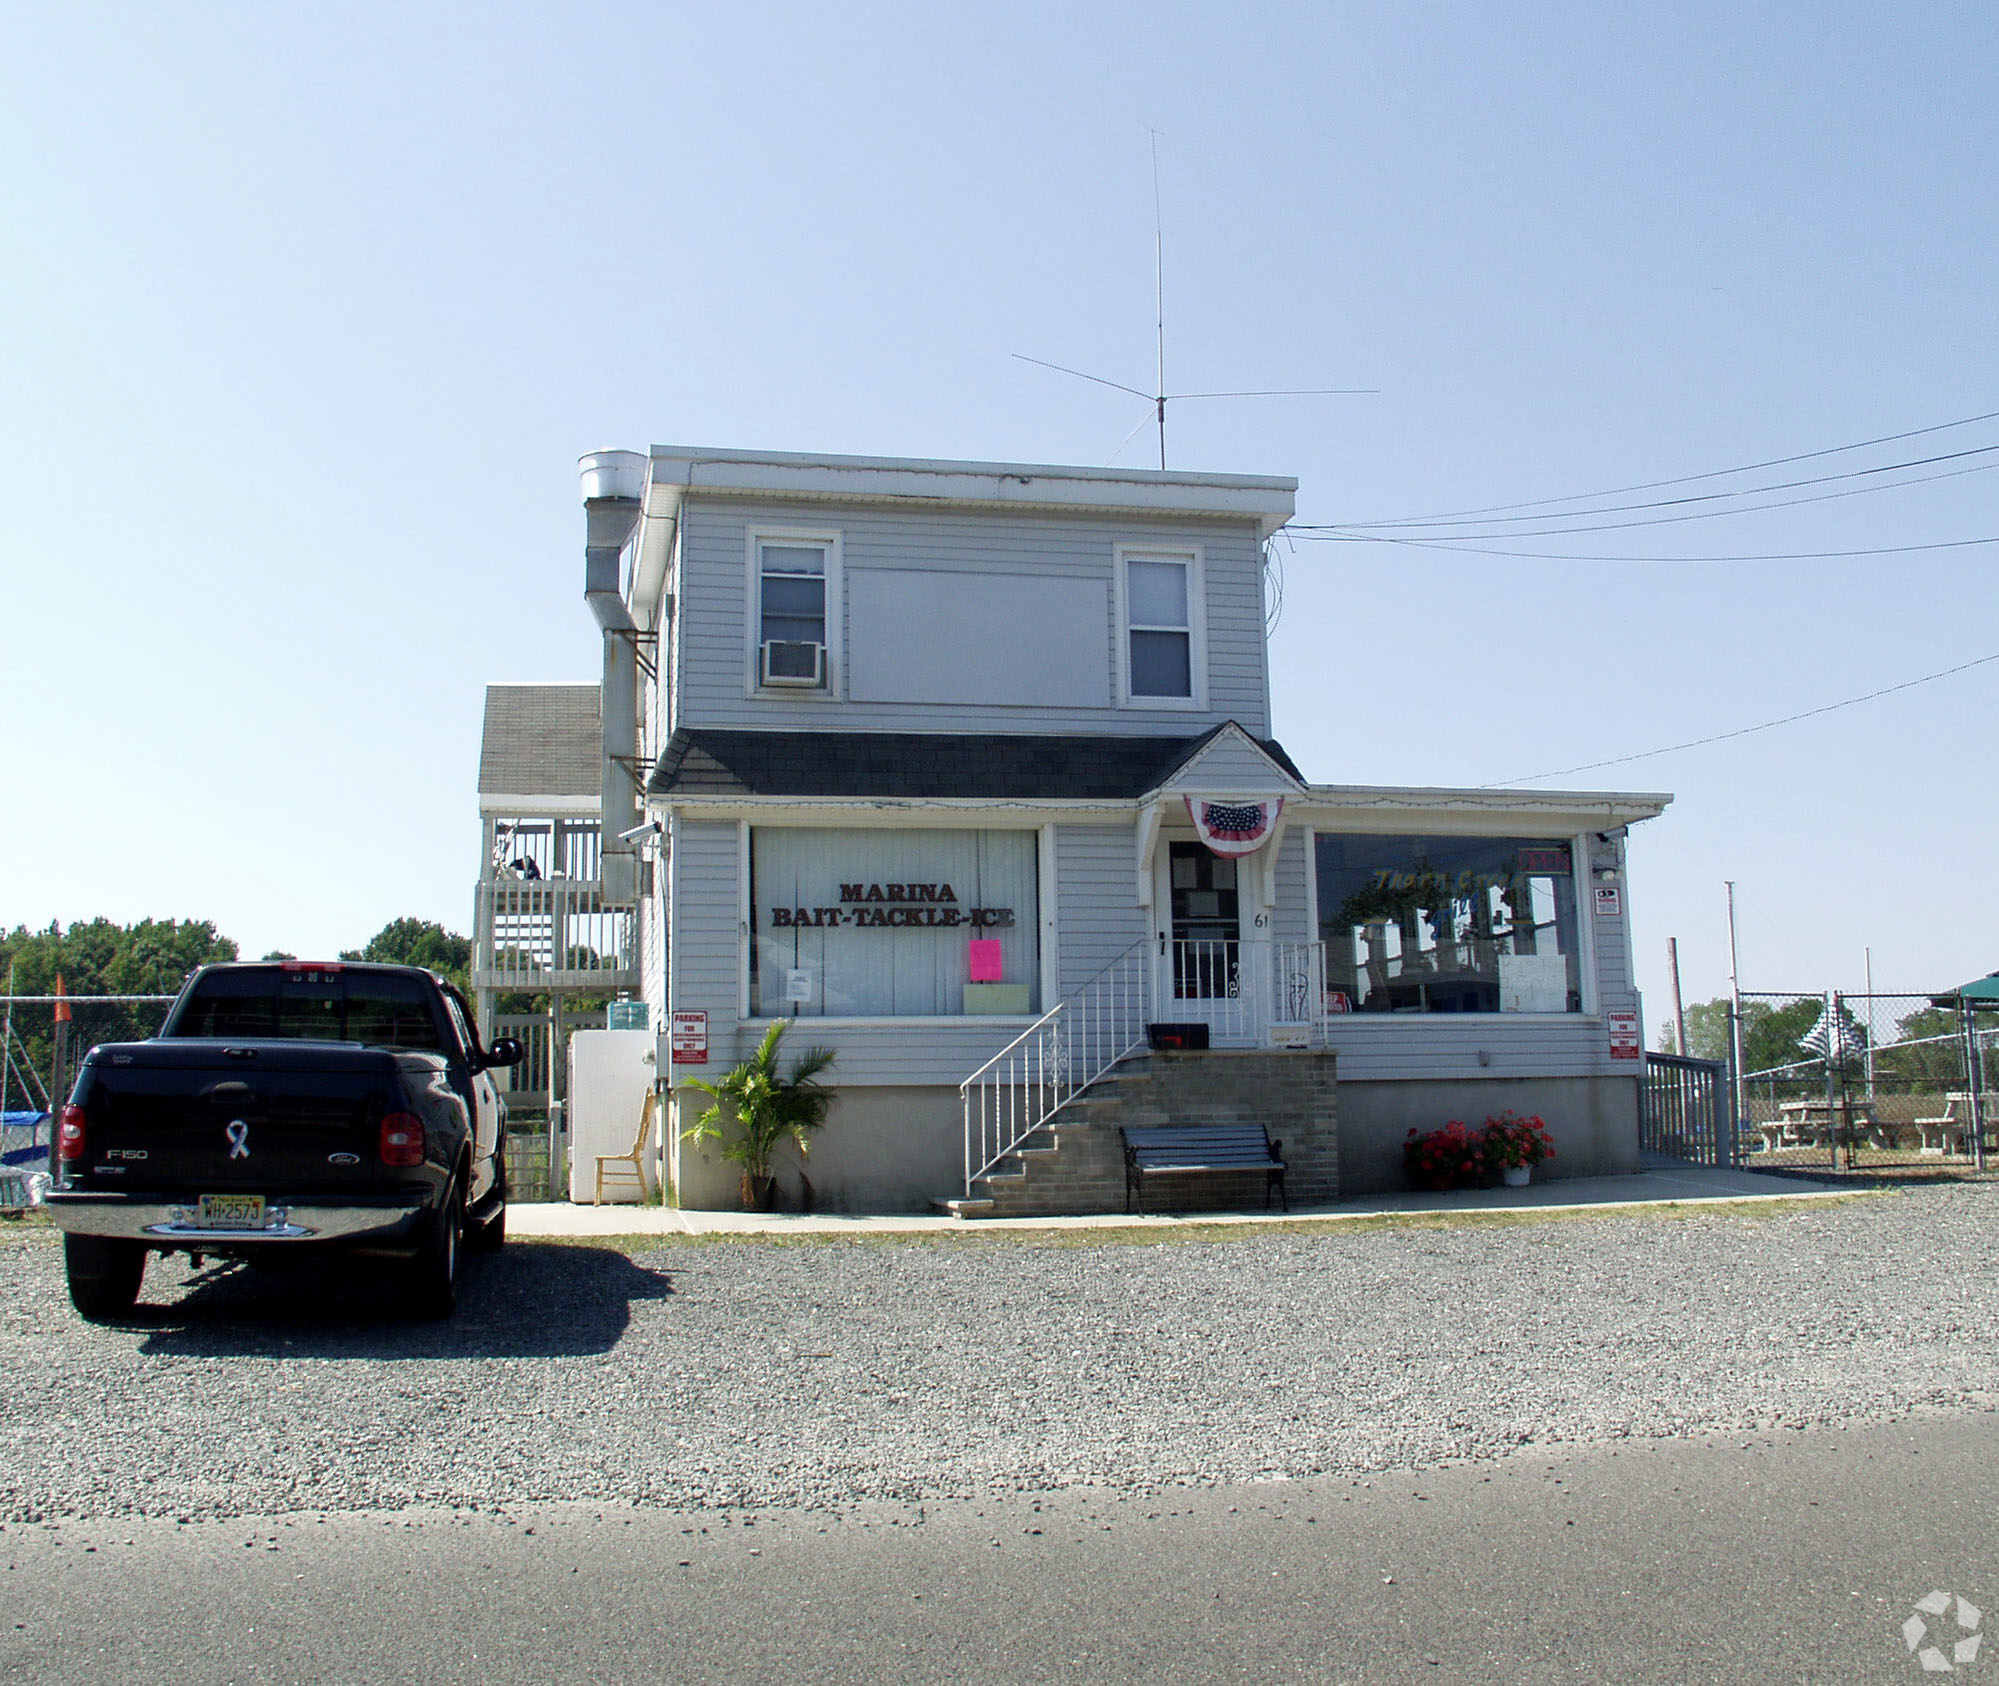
[893, 924]
[1450, 924]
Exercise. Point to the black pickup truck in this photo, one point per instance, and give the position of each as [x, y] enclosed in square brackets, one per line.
[281, 1107]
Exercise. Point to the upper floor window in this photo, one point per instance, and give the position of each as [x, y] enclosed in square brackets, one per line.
[794, 611]
[1162, 652]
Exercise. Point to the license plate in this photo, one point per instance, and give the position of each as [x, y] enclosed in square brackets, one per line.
[230, 1211]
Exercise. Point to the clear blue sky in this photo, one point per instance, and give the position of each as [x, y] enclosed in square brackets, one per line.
[306, 313]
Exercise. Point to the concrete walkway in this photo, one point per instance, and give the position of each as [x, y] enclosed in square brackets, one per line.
[1660, 1182]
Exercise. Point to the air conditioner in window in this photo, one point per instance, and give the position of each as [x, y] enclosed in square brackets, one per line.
[791, 662]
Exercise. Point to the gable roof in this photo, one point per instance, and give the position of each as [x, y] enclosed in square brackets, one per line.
[986, 766]
[1227, 758]
[541, 740]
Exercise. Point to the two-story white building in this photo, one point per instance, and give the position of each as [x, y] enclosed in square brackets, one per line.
[967, 769]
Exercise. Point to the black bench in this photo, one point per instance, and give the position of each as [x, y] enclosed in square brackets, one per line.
[1177, 1150]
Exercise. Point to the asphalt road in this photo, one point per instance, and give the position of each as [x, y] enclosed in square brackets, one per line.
[1787, 1556]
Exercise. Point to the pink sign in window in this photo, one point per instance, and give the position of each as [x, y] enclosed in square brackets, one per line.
[985, 959]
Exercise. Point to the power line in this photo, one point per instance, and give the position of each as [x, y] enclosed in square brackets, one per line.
[1450, 549]
[1745, 731]
[1341, 531]
[1701, 497]
[1711, 474]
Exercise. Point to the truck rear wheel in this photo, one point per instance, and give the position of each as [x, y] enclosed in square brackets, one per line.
[103, 1274]
[491, 1236]
[434, 1274]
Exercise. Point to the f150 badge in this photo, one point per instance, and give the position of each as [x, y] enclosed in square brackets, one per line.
[239, 1138]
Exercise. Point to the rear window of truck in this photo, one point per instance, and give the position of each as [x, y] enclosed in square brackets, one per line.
[313, 1006]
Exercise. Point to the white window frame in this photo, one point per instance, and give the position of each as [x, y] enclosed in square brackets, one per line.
[756, 539]
[1194, 560]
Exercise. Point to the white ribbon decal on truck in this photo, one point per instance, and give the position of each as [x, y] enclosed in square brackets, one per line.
[239, 1139]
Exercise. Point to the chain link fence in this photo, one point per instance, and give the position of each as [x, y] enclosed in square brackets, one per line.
[1856, 1084]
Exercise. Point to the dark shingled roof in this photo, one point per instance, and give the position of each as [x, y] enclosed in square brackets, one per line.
[987, 766]
[542, 740]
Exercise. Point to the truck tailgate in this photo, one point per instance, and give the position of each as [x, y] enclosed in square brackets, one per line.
[200, 1116]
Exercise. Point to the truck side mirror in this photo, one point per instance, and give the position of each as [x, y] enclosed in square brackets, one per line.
[505, 1050]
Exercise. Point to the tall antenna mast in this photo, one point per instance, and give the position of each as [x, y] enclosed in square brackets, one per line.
[1158, 397]
[1159, 290]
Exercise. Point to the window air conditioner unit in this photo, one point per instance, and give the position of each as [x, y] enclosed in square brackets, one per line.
[792, 662]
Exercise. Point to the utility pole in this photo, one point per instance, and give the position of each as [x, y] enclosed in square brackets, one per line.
[7, 1039]
[1868, 962]
[1734, 1001]
[1679, 1006]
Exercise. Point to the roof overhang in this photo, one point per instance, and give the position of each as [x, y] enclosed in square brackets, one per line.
[679, 471]
[1390, 808]
[1372, 808]
[932, 812]
[1981, 994]
[541, 807]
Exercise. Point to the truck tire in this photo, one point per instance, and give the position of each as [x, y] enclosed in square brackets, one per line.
[434, 1273]
[491, 1236]
[103, 1274]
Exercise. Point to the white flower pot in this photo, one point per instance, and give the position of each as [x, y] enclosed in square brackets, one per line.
[1515, 1176]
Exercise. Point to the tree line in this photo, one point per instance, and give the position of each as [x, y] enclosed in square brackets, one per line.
[1924, 1050]
[100, 957]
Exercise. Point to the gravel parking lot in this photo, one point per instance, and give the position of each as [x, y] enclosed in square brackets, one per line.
[829, 1372]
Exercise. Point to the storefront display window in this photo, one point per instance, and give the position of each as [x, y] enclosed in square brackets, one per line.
[893, 924]
[1417, 924]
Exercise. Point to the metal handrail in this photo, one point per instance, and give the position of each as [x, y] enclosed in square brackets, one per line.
[1686, 1109]
[1057, 1057]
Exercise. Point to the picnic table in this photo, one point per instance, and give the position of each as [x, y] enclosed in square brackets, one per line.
[1811, 1124]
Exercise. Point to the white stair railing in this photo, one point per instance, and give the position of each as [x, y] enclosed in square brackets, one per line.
[1239, 989]
[1062, 1053]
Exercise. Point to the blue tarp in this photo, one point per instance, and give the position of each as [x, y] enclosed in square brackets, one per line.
[24, 1138]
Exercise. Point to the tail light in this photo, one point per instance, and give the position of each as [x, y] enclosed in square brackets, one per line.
[69, 1134]
[402, 1139]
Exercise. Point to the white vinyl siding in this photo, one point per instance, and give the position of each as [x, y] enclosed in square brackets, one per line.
[714, 616]
[1097, 903]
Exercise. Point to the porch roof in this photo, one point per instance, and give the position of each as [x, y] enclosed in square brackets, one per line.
[982, 766]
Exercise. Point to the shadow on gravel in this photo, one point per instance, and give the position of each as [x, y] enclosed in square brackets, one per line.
[545, 1301]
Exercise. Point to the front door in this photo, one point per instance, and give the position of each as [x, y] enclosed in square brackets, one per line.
[1201, 961]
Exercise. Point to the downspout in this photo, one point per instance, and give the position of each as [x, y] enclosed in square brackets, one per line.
[612, 484]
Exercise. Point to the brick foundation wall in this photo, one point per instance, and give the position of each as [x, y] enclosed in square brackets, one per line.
[1075, 1164]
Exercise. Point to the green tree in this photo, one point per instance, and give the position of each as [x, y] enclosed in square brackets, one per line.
[94, 958]
[419, 942]
[1707, 1032]
[1927, 1053]
[1771, 1034]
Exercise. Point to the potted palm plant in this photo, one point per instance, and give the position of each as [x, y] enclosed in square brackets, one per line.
[756, 1107]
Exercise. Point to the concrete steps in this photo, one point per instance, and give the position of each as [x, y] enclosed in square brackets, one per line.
[1073, 1165]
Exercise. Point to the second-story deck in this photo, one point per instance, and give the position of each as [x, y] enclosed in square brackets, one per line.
[541, 919]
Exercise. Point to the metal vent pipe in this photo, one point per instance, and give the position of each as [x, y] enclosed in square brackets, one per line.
[613, 482]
